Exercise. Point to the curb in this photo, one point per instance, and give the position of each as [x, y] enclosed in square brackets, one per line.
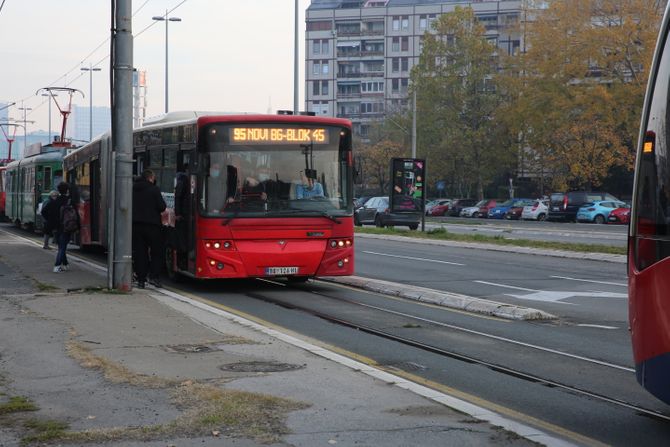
[446, 299]
[603, 257]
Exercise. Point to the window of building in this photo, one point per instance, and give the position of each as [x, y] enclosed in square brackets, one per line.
[316, 46]
[319, 25]
[395, 64]
[404, 44]
[325, 46]
[395, 46]
[404, 83]
[405, 23]
[315, 88]
[324, 67]
[316, 67]
[324, 87]
[396, 23]
[404, 64]
[395, 85]
[423, 22]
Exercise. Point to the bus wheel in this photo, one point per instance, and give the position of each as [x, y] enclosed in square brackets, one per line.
[297, 279]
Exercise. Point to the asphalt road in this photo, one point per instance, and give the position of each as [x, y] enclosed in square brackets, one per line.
[585, 233]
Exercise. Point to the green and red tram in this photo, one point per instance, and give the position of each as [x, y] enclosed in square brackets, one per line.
[265, 195]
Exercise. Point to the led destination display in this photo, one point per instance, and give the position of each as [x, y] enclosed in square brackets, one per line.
[278, 135]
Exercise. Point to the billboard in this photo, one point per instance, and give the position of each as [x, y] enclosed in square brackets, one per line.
[408, 177]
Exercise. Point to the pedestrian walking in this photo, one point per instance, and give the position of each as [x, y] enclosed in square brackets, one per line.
[61, 216]
[48, 229]
[148, 249]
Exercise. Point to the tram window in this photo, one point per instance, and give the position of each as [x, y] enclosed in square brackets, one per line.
[47, 178]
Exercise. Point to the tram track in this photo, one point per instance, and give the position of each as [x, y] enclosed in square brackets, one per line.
[452, 354]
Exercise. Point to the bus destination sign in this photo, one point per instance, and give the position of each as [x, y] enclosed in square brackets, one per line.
[278, 135]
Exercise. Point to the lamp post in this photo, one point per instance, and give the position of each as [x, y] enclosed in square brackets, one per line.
[46, 94]
[166, 19]
[90, 70]
[25, 129]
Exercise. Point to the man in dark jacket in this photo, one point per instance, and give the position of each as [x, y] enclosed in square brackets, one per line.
[52, 215]
[148, 204]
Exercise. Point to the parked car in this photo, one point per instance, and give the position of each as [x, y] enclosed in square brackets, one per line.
[598, 211]
[484, 209]
[564, 206]
[469, 211]
[499, 211]
[376, 211]
[536, 211]
[514, 213]
[360, 201]
[458, 204]
[620, 215]
[438, 208]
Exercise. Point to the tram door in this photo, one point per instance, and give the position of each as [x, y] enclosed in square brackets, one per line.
[95, 198]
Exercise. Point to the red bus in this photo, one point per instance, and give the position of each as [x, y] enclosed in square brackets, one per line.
[649, 232]
[265, 195]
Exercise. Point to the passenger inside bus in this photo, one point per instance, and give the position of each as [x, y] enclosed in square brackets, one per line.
[308, 187]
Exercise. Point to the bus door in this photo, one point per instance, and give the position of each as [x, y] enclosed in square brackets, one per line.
[185, 164]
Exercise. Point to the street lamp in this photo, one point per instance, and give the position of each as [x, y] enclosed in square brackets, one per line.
[166, 19]
[25, 129]
[46, 94]
[90, 70]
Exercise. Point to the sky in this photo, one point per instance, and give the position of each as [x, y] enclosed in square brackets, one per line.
[224, 55]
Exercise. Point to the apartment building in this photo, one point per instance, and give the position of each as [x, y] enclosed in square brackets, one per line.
[359, 53]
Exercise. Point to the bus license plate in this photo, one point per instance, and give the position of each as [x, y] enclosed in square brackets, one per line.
[281, 271]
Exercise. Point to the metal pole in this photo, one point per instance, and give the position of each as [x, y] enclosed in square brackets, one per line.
[166, 61]
[90, 102]
[122, 145]
[295, 63]
[414, 125]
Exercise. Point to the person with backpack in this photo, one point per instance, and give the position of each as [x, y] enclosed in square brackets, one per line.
[61, 215]
[48, 230]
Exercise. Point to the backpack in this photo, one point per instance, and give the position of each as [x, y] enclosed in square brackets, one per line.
[69, 219]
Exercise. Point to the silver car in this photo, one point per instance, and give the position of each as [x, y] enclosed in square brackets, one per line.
[537, 211]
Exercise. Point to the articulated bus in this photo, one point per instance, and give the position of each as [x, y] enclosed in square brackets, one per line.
[649, 231]
[295, 221]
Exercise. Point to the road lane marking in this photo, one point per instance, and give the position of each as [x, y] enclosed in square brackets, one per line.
[555, 296]
[597, 326]
[412, 258]
[591, 280]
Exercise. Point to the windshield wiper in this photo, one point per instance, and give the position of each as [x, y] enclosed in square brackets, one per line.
[307, 212]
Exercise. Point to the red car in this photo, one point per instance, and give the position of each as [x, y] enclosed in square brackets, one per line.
[619, 215]
[486, 207]
[440, 208]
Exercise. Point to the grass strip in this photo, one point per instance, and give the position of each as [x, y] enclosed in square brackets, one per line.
[444, 235]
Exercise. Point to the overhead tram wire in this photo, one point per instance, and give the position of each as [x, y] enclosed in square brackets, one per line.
[1, 5]
[79, 64]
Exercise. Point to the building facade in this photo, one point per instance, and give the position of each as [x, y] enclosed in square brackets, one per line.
[79, 123]
[359, 53]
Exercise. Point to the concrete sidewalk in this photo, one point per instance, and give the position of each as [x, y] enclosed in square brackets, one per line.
[83, 366]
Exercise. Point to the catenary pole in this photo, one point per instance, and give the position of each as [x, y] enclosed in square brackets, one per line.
[122, 145]
[295, 62]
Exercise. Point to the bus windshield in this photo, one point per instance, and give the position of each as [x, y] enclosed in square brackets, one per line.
[275, 170]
